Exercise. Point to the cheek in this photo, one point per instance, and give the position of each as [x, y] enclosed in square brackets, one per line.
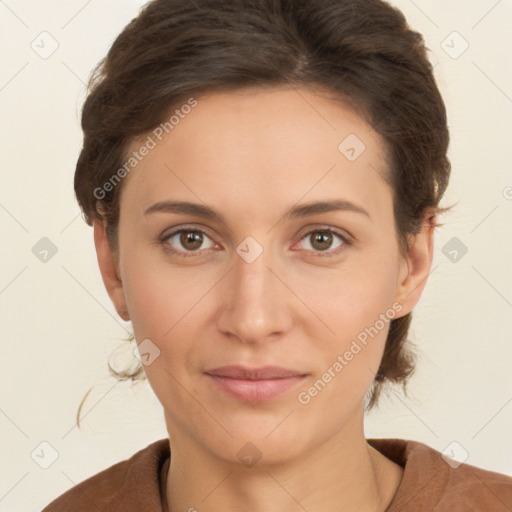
[160, 297]
[356, 307]
[155, 304]
[352, 297]
[166, 307]
[170, 305]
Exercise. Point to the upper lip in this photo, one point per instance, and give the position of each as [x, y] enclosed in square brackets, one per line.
[262, 373]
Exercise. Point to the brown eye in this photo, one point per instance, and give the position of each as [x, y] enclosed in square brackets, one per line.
[321, 241]
[185, 241]
[191, 240]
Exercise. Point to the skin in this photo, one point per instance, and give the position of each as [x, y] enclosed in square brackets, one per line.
[252, 155]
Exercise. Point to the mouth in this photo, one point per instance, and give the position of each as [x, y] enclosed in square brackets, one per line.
[256, 384]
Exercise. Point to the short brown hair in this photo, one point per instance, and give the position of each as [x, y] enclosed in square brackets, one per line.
[361, 51]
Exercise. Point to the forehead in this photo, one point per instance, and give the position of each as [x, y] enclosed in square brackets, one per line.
[273, 146]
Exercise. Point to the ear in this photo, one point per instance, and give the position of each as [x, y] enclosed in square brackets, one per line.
[415, 266]
[108, 268]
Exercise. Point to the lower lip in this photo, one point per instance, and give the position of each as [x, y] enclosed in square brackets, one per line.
[255, 390]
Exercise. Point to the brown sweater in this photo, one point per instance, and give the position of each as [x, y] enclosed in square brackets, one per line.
[429, 483]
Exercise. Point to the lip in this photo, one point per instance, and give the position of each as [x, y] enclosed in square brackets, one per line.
[255, 384]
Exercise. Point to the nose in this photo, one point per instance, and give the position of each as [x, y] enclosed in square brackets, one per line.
[256, 305]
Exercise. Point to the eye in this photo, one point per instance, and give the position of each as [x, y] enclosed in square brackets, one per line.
[186, 242]
[321, 240]
[189, 239]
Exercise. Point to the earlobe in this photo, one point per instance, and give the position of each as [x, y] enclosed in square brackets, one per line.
[415, 267]
[108, 269]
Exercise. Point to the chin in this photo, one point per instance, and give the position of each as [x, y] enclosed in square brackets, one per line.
[250, 448]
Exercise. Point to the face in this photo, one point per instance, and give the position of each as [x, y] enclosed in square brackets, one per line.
[267, 281]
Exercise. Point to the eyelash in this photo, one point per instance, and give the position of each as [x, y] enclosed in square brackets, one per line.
[329, 253]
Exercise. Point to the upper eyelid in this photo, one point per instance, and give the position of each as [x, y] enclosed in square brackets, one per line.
[173, 231]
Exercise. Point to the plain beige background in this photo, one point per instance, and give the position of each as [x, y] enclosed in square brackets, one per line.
[58, 326]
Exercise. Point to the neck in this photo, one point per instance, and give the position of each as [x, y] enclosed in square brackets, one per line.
[344, 473]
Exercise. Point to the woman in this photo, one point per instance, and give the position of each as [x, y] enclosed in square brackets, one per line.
[264, 178]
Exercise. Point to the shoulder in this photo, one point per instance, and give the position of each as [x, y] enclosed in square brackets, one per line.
[432, 481]
[132, 484]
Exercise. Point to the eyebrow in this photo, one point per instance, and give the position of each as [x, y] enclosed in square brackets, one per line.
[296, 212]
